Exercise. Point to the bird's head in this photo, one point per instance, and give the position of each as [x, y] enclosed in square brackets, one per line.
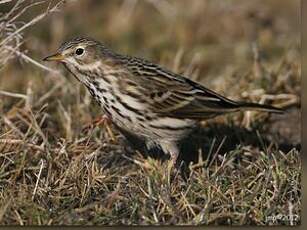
[82, 54]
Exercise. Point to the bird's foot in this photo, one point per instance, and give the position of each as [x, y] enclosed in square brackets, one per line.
[174, 157]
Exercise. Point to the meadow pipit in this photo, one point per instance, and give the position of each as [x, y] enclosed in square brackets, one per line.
[144, 98]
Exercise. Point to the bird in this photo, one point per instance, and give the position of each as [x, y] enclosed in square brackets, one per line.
[144, 98]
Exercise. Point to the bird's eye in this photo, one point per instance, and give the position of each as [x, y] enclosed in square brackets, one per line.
[79, 51]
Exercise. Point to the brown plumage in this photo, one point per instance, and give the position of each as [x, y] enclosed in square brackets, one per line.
[146, 99]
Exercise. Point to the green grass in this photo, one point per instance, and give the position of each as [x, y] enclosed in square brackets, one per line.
[239, 169]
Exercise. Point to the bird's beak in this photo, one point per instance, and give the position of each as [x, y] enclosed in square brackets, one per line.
[55, 57]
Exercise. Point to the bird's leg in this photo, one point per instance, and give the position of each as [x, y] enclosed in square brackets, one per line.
[174, 156]
[96, 122]
[107, 122]
[172, 149]
[103, 120]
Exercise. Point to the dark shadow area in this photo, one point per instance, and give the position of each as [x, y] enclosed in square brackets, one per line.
[277, 132]
[224, 138]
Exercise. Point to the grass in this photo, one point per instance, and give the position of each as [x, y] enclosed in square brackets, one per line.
[240, 169]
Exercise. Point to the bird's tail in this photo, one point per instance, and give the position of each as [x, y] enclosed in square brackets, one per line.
[259, 107]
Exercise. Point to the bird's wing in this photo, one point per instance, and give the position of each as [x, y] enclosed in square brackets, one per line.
[190, 100]
[173, 95]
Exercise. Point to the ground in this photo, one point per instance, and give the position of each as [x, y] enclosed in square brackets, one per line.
[243, 168]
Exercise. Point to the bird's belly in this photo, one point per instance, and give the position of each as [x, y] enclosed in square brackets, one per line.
[154, 129]
[170, 128]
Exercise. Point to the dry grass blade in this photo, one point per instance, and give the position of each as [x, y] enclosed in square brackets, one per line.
[11, 33]
[30, 23]
[38, 178]
[10, 94]
[32, 61]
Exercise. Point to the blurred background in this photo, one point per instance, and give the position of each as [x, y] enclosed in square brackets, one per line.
[210, 38]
